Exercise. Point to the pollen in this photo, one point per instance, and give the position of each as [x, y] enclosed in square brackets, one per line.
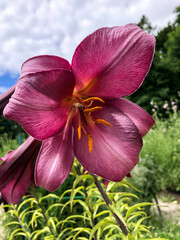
[102, 121]
[93, 99]
[90, 142]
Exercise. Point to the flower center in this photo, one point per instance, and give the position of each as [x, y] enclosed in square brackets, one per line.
[84, 108]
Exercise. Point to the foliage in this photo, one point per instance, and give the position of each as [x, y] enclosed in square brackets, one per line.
[93, 220]
[7, 144]
[9, 127]
[159, 166]
[166, 229]
[162, 82]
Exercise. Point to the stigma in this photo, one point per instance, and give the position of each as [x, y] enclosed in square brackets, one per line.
[84, 109]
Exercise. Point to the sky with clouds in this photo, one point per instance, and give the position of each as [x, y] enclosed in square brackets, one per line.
[56, 27]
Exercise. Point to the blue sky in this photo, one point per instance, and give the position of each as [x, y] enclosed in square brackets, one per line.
[56, 27]
[7, 81]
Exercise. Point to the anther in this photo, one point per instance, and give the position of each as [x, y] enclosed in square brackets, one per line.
[89, 110]
[102, 121]
[93, 99]
[79, 131]
[90, 142]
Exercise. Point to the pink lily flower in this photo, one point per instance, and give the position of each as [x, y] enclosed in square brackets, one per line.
[4, 98]
[17, 170]
[78, 109]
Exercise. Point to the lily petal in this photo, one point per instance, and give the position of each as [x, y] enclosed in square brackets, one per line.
[138, 115]
[40, 102]
[44, 63]
[4, 98]
[55, 160]
[18, 186]
[16, 171]
[115, 149]
[113, 62]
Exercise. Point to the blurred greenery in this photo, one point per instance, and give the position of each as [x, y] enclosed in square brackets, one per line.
[162, 82]
[159, 166]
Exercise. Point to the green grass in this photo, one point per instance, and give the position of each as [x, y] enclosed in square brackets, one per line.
[164, 229]
[7, 144]
[159, 166]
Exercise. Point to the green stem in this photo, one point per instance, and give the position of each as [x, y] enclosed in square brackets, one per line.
[44, 215]
[90, 209]
[20, 222]
[108, 202]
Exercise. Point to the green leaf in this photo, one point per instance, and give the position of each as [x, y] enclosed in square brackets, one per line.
[71, 217]
[62, 222]
[82, 238]
[37, 233]
[13, 234]
[137, 206]
[36, 214]
[155, 239]
[131, 186]
[12, 223]
[99, 203]
[24, 214]
[102, 213]
[64, 193]
[138, 224]
[65, 205]
[73, 193]
[79, 230]
[52, 223]
[46, 197]
[6, 206]
[136, 214]
[26, 201]
[51, 237]
[54, 205]
[63, 232]
[78, 180]
[100, 224]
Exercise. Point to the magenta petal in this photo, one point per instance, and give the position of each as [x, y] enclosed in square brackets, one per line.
[4, 98]
[40, 102]
[44, 63]
[113, 62]
[16, 171]
[138, 115]
[55, 160]
[115, 149]
[18, 186]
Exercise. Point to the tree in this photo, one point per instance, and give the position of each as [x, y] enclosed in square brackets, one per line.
[162, 82]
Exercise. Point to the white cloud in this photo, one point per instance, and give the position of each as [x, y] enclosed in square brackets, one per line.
[56, 27]
[3, 89]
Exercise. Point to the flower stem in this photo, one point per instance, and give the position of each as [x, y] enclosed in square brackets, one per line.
[40, 206]
[90, 209]
[108, 202]
[20, 222]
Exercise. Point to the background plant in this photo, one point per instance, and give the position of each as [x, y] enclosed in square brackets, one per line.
[80, 212]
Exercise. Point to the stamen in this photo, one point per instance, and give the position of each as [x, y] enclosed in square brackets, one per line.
[90, 142]
[79, 131]
[102, 121]
[92, 109]
[93, 99]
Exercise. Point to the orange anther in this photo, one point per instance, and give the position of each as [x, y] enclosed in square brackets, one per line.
[102, 121]
[89, 110]
[79, 131]
[93, 99]
[90, 142]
